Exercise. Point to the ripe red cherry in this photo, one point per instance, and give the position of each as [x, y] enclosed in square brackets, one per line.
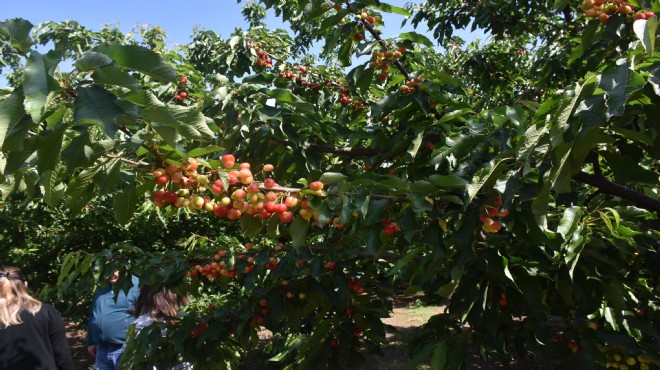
[183, 80]
[162, 180]
[270, 207]
[286, 217]
[281, 208]
[391, 228]
[330, 265]
[269, 183]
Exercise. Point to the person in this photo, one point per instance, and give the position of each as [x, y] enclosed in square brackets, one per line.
[108, 323]
[32, 333]
[157, 305]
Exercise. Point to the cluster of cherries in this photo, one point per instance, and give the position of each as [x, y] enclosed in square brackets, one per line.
[491, 211]
[228, 192]
[263, 59]
[381, 61]
[604, 9]
[181, 94]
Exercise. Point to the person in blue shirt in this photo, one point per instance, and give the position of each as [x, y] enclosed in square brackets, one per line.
[108, 323]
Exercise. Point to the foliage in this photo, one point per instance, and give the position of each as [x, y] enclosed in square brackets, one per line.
[518, 179]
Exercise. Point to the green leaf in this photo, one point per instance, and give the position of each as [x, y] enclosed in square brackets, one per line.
[111, 75]
[540, 207]
[286, 96]
[416, 38]
[613, 82]
[141, 59]
[124, 204]
[448, 181]
[97, 106]
[559, 5]
[79, 152]
[485, 177]
[422, 187]
[108, 176]
[416, 144]
[193, 124]
[92, 60]
[80, 185]
[331, 177]
[627, 170]
[48, 149]
[346, 50]
[168, 133]
[439, 358]
[18, 32]
[199, 152]
[645, 30]
[38, 84]
[11, 114]
[393, 9]
[569, 221]
[15, 160]
[298, 231]
[53, 190]
[251, 226]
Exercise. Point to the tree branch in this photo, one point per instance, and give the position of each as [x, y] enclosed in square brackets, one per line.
[382, 43]
[608, 187]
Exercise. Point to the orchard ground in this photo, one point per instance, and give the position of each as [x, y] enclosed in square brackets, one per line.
[409, 313]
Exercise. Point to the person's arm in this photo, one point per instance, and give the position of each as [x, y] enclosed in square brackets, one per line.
[132, 295]
[57, 334]
[89, 342]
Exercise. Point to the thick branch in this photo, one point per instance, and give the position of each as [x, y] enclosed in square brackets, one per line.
[608, 187]
[382, 43]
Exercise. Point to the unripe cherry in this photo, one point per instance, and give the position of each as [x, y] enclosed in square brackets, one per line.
[291, 202]
[316, 185]
[271, 196]
[239, 194]
[247, 180]
[192, 165]
[158, 172]
[244, 165]
[244, 172]
[269, 167]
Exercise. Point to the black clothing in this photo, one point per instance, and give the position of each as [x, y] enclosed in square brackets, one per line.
[38, 343]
